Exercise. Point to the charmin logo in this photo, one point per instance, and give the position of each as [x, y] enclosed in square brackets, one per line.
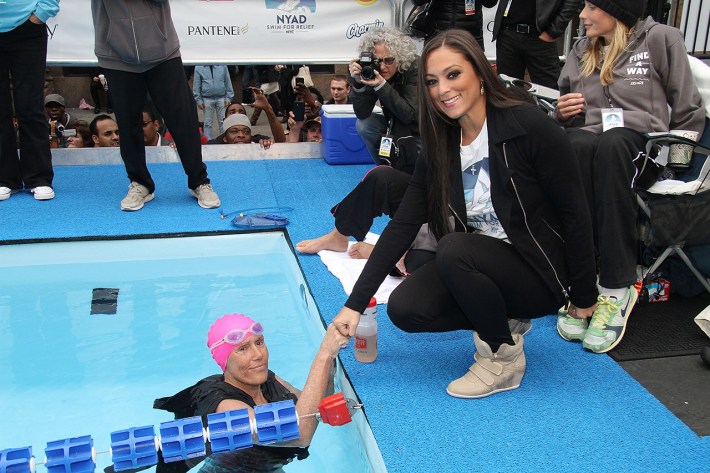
[292, 7]
[355, 30]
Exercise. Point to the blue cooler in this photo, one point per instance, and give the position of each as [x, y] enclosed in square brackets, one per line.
[341, 142]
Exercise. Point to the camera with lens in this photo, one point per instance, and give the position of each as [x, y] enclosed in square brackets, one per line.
[369, 65]
[62, 134]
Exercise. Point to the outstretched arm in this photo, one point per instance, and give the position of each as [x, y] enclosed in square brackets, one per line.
[318, 384]
[320, 377]
[262, 103]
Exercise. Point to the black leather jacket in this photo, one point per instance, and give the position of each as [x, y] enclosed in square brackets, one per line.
[533, 184]
[551, 16]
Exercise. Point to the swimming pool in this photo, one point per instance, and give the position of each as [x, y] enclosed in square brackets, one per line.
[67, 372]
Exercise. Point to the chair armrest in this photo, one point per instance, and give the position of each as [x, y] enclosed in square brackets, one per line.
[666, 138]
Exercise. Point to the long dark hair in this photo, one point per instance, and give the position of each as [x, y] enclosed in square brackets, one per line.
[439, 133]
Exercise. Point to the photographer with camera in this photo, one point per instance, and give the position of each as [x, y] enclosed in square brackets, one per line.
[385, 71]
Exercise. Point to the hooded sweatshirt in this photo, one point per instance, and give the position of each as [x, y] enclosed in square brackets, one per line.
[651, 75]
[133, 35]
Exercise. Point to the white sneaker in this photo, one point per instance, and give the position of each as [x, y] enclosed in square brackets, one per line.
[137, 196]
[6, 192]
[43, 193]
[207, 198]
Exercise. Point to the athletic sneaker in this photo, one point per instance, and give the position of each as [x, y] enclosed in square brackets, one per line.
[6, 192]
[519, 326]
[570, 328]
[207, 198]
[137, 196]
[43, 193]
[609, 321]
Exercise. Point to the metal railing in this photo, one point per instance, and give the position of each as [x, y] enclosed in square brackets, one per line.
[692, 17]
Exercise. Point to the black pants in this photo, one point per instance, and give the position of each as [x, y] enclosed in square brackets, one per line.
[516, 52]
[610, 163]
[380, 192]
[475, 283]
[23, 55]
[173, 99]
[96, 88]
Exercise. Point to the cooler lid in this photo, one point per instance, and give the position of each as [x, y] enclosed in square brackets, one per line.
[330, 110]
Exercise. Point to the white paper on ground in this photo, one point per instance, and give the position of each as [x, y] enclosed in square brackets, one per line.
[347, 270]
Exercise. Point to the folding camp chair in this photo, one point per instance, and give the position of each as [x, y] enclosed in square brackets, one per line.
[678, 215]
[544, 96]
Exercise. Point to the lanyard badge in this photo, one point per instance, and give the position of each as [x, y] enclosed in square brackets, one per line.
[470, 6]
[612, 118]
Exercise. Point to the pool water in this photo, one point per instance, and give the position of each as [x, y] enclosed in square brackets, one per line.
[65, 372]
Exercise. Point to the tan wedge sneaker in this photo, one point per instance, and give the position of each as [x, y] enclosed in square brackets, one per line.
[492, 372]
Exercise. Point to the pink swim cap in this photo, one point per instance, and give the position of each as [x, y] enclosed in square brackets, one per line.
[221, 327]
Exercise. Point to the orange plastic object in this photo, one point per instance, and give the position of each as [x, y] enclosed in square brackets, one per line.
[334, 410]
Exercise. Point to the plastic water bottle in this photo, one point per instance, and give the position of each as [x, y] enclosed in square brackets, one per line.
[366, 334]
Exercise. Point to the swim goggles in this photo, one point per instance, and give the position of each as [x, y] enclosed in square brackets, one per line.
[237, 335]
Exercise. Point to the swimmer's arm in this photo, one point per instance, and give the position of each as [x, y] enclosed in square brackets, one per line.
[330, 389]
[320, 377]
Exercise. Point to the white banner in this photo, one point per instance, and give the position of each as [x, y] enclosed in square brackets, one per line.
[239, 31]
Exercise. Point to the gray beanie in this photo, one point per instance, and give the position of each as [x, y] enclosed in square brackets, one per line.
[626, 11]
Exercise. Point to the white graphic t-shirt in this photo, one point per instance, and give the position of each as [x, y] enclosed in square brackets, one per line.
[477, 187]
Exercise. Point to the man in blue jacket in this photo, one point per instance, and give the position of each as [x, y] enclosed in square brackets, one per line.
[23, 56]
[142, 55]
[213, 91]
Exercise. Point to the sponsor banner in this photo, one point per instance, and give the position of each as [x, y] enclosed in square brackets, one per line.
[240, 31]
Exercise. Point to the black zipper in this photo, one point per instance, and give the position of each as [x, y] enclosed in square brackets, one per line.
[525, 217]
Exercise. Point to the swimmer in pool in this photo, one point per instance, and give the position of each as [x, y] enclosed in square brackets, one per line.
[237, 344]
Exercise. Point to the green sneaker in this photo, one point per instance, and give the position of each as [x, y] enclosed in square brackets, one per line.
[609, 321]
[570, 328]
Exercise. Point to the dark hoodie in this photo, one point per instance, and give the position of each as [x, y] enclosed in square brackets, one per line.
[133, 35]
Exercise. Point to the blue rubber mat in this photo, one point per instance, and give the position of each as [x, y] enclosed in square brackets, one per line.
[575, 411]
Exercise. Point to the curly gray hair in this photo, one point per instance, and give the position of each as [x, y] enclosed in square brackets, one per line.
[400, 45]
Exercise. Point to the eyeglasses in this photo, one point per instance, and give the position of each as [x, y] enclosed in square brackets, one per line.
[388, 61]
[236, 336]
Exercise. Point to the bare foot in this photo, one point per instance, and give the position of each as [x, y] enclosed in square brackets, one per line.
[360, 250]
[334, 241]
